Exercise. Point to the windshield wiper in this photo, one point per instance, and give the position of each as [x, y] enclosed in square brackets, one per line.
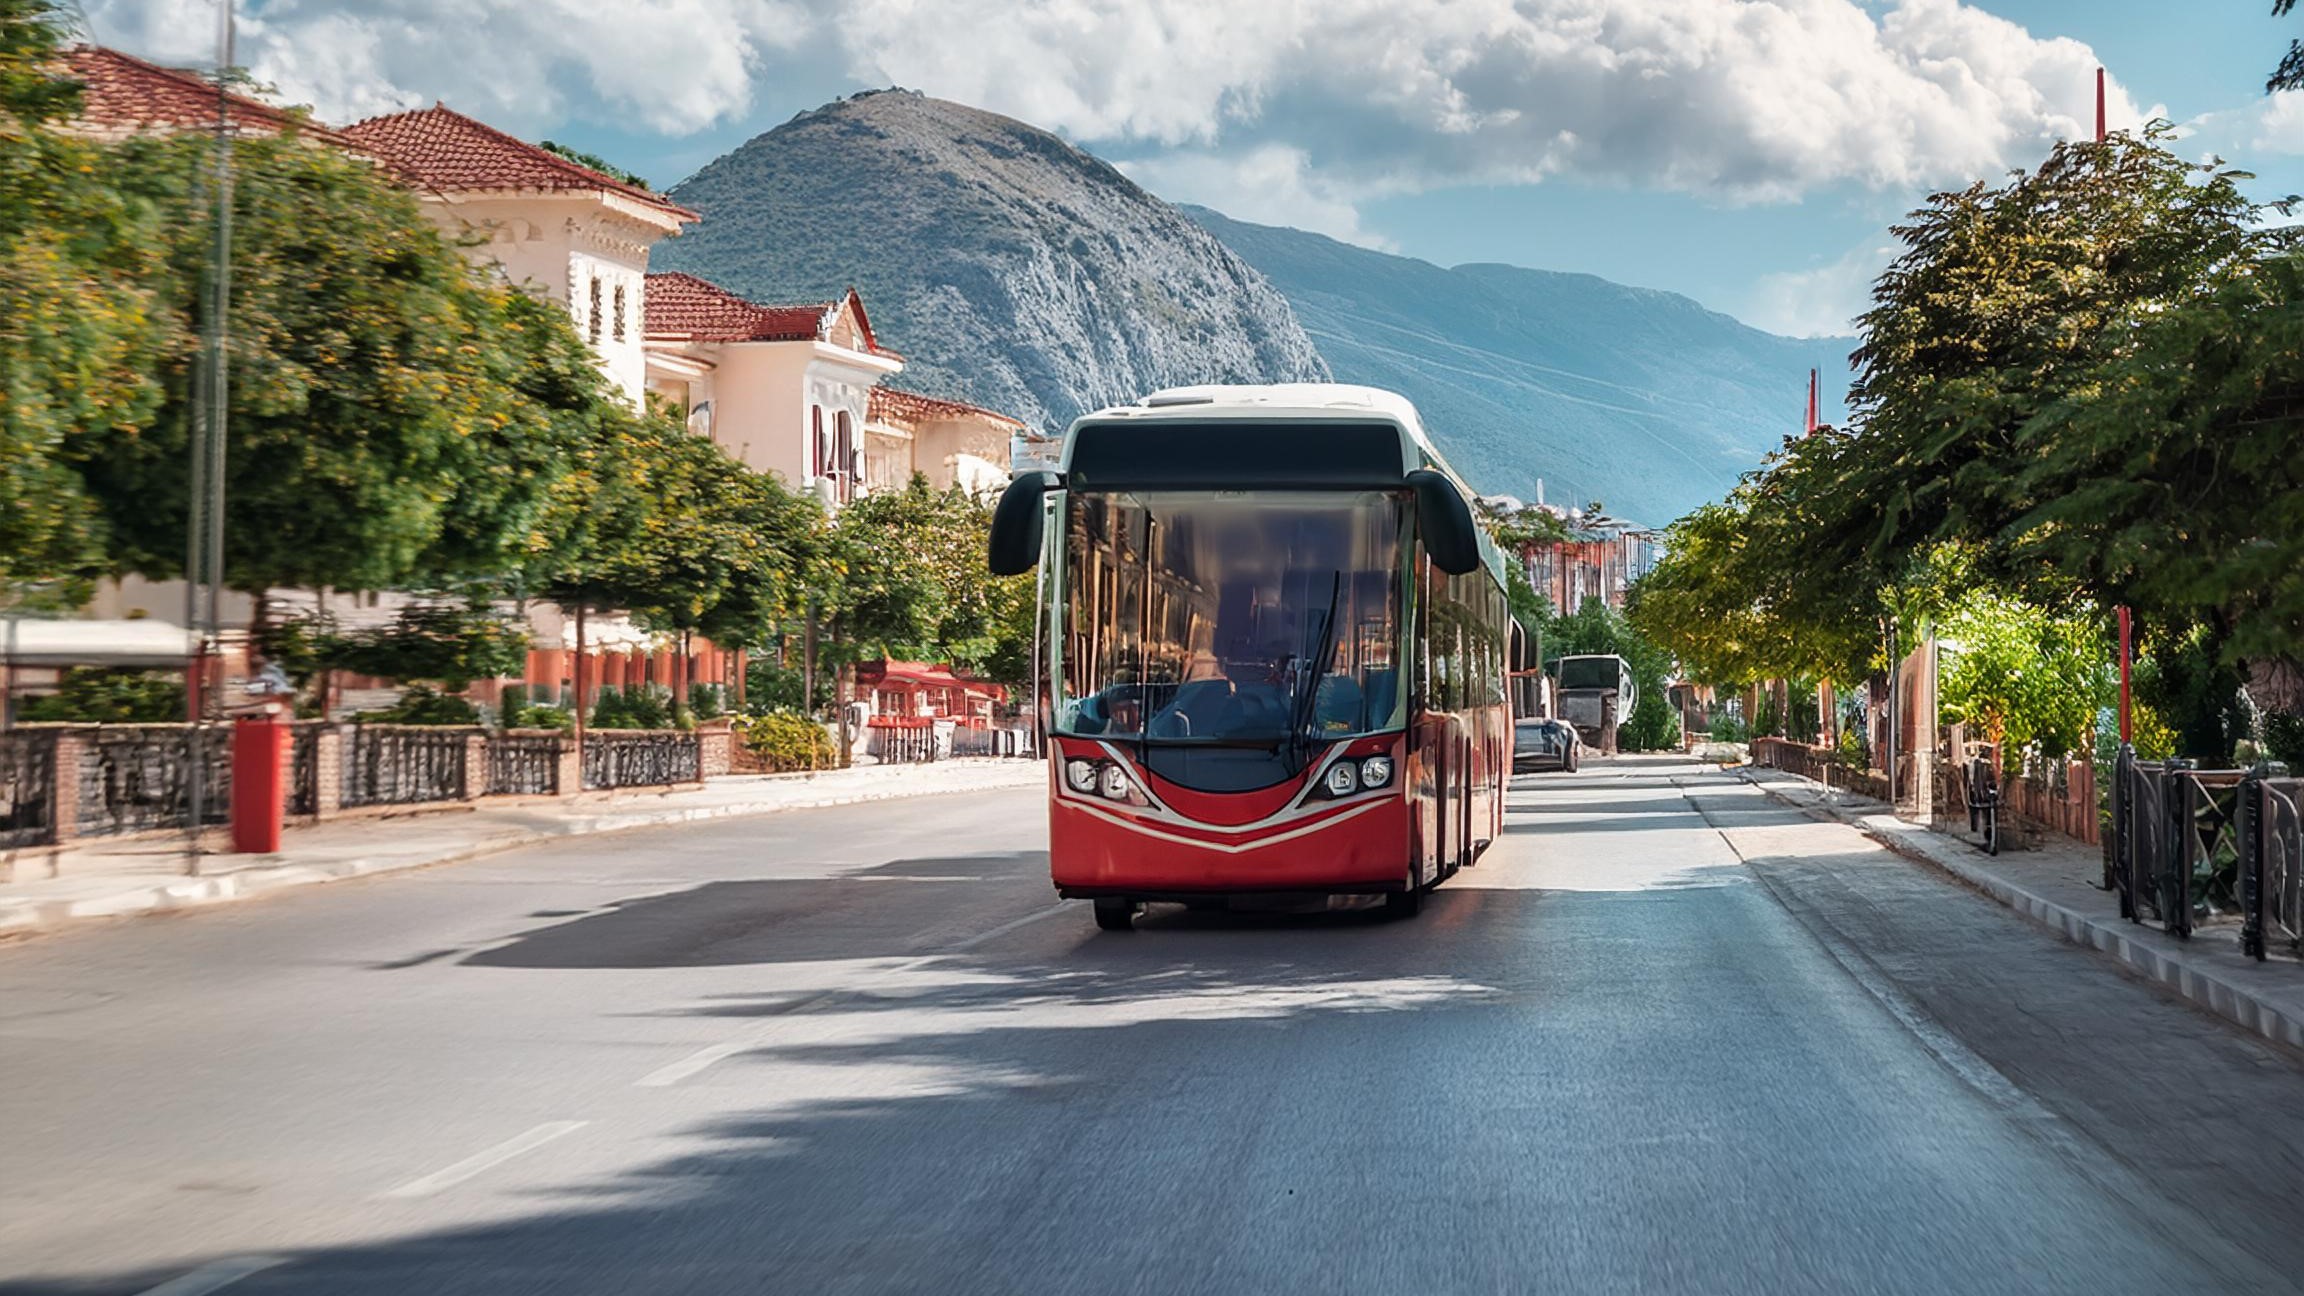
[1316, 670]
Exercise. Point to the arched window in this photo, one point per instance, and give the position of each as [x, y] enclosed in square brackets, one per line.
[818, 451]
[845, 461]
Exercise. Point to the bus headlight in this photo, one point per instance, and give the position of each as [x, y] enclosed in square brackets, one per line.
[1115, 783]
[1342, 780]
[1081, 775]
[1375, 772]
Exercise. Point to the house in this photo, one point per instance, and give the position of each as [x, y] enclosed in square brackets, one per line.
[122, 96]
[904, 694]
[784, 389]
[1601, 558]
[580, 237]
[951, 442]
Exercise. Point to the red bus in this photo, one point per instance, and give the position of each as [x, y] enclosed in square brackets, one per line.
[1275, 646]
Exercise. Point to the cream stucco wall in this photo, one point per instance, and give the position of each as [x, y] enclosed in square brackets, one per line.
[763, 395]
[565, 244]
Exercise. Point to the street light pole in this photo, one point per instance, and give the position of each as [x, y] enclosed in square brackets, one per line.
[204, 526]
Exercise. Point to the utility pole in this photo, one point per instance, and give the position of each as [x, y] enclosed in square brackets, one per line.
[204, 529]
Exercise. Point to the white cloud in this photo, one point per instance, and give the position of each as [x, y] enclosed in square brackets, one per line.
[2279, 125]
[1269, 185]
[670, 66]
[1821, 301]
[1738, 99]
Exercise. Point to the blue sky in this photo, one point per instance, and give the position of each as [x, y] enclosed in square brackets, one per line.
[1749, 153]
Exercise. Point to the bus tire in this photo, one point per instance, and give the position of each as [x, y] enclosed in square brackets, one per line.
[1404, 904]
[1115, 915]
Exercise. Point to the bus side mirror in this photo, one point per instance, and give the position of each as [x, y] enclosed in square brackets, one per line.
[1015, 547]
[1450, 535]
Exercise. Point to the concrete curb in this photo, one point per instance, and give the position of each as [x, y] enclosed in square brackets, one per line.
[2188, 969]
[30, 918]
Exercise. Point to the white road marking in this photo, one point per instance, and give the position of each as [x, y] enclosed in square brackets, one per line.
[482, 1162]
[214, 1277]
[1011, 925]
[675, 1072]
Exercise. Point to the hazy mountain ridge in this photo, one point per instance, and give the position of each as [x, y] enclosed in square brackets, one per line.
[1008, 267]
[1638, 397]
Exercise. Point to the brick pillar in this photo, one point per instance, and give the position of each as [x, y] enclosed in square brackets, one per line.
[64, 803]
[716, 741]
[570, 780]
[328, 772]
[475, 765]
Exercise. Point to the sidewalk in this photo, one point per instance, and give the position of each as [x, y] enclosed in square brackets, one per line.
[105, 879]
[2055, 885]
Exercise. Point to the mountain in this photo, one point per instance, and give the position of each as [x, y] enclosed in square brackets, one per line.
[1641, 399]
[1008, 267]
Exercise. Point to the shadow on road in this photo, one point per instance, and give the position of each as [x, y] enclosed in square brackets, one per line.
[719, 924]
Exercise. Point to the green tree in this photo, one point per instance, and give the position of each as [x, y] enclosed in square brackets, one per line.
[378, 434]
[595, 162]
[79, 325]
[1741, 593]
[2004, 309]
[906, 578]
[2023, 677]
[2290, 74]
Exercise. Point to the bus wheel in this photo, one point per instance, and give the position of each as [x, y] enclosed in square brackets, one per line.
[1404, 904]
[1114, 914]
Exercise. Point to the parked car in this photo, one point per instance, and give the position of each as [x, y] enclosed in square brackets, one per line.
[1545, 745]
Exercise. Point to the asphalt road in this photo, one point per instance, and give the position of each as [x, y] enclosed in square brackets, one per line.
[1666, 1037]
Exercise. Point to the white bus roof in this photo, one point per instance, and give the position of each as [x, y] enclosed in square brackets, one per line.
[1290, 401]
[1279, 401]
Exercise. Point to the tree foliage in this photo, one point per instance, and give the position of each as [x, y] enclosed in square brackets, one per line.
[2080, 388]
[2022, 677]
[78, 317]
[379, 433]
[2290, 74]
[904, 576]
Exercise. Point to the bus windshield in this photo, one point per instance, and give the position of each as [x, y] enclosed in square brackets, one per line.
[1591, 672]
[1217, 617]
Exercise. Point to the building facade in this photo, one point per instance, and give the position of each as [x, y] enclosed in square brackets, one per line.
[577, 236]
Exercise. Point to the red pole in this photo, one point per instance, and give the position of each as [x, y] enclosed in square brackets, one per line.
[259, 784]
[2127, 654]
[2100, 131]
[1812, 402]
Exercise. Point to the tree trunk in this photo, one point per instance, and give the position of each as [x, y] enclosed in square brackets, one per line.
[808, 664]
[680, 675]
[2276, 684]
[578, 710]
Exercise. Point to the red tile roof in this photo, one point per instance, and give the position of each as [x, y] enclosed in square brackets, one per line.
[894, 403]
[121, 94]
[683, 306]
[444, 151]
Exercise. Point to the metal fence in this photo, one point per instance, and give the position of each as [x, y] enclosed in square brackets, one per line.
[135, 778]
[27, 788]
[2177, 840]
[524, 764]
[2270, 832]
[641, 758]
[304, 770]
[901, 744]
[394, 765]
[993, 742]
